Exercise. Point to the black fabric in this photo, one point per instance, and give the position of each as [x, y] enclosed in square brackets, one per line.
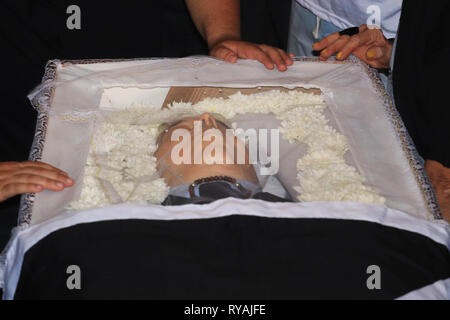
[33, 32]
[177, 201]
[266, 21]
[233, 257]
[421, 70]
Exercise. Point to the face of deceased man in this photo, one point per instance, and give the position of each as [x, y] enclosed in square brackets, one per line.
[198, 156]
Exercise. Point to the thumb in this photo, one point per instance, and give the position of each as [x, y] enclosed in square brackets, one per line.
[376, 53]
[225, 54]
[379, 57]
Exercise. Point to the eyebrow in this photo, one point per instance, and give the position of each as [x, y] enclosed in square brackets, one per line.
[179, 121]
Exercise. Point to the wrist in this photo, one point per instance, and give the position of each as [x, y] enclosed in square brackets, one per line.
[213, 41]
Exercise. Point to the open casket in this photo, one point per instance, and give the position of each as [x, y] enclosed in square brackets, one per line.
[230, 248]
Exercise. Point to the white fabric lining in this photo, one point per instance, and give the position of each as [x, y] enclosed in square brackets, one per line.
[346, 88]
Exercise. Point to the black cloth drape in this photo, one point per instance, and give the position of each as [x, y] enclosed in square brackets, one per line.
[420, 74]
[232, 257]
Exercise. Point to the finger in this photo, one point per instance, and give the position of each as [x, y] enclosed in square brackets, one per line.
[46, 183]
[45, 173]
[374, 53]
[275, 56]
[335, 47]
[358, 41]
[287, 58]
[255, 53]
[363, 28]
[13, 189]
[378, 57]
[325, 42]
[4, 166]
[41, 165]
[352, 44]
[225, 54]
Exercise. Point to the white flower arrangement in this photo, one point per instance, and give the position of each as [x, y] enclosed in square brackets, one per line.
[121, 166]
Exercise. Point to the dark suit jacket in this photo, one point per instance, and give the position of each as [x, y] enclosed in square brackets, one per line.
[177, 201]
[420, 76]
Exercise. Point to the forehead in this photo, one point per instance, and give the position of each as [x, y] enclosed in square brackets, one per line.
[188, 119]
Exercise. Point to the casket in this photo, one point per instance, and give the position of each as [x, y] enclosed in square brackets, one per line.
[230, 248]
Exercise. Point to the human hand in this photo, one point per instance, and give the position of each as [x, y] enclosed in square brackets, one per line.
[369, 45]
[231, 50]
[440, 179]
[30, 177]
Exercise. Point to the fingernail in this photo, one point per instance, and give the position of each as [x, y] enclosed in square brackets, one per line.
[370, 54]
[59, 185]
[339, 55]
[68, 180]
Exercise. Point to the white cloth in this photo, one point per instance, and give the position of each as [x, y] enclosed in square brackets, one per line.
[350, 13]
[375, 147]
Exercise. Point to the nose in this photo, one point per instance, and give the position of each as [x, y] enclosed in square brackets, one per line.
[209, 120]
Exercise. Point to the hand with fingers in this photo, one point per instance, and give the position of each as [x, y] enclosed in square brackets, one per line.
[30, 177]
[232, 50]
[369, 45]
[440, 179]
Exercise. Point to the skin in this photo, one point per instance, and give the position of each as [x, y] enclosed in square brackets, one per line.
[179, 174]
[30, 177]
[219, 23]
[369, 45]
[440, 179]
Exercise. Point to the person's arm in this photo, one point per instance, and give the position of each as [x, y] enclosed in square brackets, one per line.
[369, 45]
[218, 21]
[30, 177]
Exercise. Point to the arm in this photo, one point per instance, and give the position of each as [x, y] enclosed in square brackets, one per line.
[218, 21]
[30, 177]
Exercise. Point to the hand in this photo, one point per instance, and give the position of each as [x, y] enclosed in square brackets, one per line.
[231, 50]
[369, 45]
[30, 177]
[440, 179]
